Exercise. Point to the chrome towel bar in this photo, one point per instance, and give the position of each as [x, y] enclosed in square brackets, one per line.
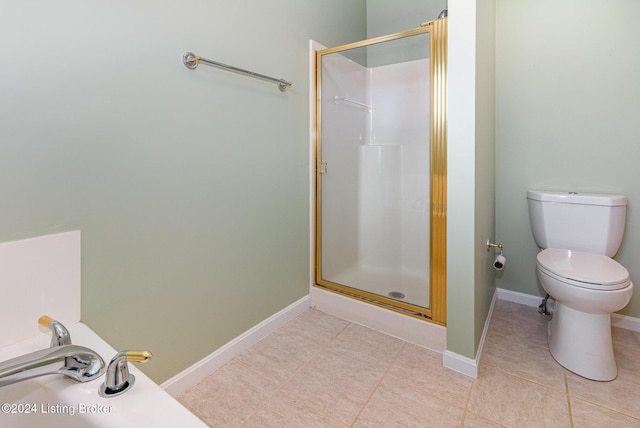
[338, 99]
[191, 61]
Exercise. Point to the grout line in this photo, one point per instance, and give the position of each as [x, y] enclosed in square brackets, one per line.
[568, 395]
[325, 348]
[466, 404]
[281, 386]
[430, 393]
[521, 377]
[603, 406]
[485, 418]
[382, 377]
[467, 411]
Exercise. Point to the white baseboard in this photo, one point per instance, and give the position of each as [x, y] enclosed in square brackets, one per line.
[460, 363]
[626, 322]
[203, 368]
[516, 297]
[466, 365]
[407, 328]
[617, 320]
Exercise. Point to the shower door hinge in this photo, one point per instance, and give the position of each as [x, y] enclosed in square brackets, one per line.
[322, 167]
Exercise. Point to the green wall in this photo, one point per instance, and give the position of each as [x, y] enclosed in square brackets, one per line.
[470, 172]
[190, 187]
[568, 108]
[388, 17]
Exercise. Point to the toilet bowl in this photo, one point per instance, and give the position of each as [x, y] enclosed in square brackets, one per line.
[587, 288]
[578, 234]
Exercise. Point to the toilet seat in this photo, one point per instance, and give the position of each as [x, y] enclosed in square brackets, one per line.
[586, 270]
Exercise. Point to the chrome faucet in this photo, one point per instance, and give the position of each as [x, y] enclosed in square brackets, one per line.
[76, 362]
[60, 335]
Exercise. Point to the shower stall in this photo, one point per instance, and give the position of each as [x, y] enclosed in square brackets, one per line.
[380, 148]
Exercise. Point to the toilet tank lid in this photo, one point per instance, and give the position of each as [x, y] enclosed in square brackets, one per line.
[577, 198]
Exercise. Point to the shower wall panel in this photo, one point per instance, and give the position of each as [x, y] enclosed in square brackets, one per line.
[395, 167]
[380, 221]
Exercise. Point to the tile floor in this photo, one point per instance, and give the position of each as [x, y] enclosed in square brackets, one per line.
[322, 371]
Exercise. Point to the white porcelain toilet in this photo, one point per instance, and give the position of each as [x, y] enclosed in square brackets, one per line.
[578, 234]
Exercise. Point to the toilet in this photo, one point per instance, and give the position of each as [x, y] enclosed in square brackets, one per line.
[578, 233]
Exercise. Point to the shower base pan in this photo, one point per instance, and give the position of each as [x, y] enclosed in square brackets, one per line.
[402, 287]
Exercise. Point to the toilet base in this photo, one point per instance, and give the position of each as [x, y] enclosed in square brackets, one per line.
[581, 342]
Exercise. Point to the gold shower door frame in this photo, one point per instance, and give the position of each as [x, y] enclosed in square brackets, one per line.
[436, 313]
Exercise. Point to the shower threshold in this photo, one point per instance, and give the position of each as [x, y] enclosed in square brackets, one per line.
[381, 301]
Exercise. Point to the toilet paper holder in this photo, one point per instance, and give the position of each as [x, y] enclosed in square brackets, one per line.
[492, 245]
[500, 261]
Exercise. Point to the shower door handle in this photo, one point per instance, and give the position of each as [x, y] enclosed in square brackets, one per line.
[322, 167]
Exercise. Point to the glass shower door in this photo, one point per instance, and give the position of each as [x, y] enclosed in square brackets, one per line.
[374, 171]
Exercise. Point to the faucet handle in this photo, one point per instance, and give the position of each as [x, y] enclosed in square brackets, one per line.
[139, 356]
[118, 379]
[60, 335]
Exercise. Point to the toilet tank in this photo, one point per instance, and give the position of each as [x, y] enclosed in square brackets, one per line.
[589, 222]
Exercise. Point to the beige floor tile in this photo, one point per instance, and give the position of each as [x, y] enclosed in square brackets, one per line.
[518, 329]
[285, 410]
[423, 368]
[472, 420]
[628, 361]
[228, 396]
[279, 355]
[397, 404]
[525, 313]
[315, 326]
[525, 360]
[334, 382]
[370, 347]
[330, 371]
[516, 402]
[624, 338]
[513, 310]
[620, 395]
[586, 415]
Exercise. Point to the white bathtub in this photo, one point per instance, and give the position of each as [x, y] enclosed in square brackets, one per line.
[54, 401]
